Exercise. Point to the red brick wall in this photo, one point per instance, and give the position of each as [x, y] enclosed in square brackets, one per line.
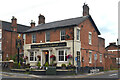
[9, 43]
[54, 35]
[84, 33]
[110, 61]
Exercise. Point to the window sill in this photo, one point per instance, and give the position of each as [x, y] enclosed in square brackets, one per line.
[33, 61]
[62, 61]
[90, 62]
[90, 44]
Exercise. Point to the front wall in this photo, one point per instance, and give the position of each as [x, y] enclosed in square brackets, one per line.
[54, 38]
[9, 44]
[86, 47]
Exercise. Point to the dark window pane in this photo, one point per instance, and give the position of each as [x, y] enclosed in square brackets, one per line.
[47, 36]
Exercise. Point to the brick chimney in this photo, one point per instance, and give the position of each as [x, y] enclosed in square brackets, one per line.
[85, 10]
[41, 19]
[14, 23]
[32, 23]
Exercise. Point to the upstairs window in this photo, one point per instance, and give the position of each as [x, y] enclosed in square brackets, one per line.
[63, 34]
[47, 36]
[78, 34]
[90, 38]
[33, 38]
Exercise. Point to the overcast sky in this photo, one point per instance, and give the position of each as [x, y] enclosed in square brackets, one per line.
[103, 12]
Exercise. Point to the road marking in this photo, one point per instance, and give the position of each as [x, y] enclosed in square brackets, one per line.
[112, 74]
[34, 76]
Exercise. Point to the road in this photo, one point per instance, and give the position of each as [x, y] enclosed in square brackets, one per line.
[110, 75]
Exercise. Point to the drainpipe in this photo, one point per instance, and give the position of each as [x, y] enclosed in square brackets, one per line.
[73, 45]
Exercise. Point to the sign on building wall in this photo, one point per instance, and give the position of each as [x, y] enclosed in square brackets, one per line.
[49, 45]
[78, 59]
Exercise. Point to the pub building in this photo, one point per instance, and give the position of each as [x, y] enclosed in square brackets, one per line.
[75, 37]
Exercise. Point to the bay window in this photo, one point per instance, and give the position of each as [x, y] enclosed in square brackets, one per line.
[62, 55]
[33, 56]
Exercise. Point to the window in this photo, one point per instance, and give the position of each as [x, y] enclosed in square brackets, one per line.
[62, 55]
[0, 46]
[47, 36]
[33, 38]
[33, 56]
[62, 34]
[0, 35]
[23, 36]
[100, 57]
[90, 57]
[90, 38]
[78, 34]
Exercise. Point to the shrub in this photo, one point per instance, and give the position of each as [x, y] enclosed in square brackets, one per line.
[46, 64]
[63, 65]
[19, 65]
[38, 64]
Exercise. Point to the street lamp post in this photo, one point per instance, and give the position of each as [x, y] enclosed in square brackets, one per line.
[118, 52]
[18, 45]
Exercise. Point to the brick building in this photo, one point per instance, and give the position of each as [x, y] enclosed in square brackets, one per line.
[111, 56]
[75, 36]
[8, 35]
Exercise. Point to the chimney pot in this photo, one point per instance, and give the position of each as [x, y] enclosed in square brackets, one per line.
[85, 10]
[14, 23]
[41, 19]
[32, 23]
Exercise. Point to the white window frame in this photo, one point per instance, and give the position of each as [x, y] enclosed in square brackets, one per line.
[0, 35]
[90, 38]
[24, 36]
[63, 54]
[101, 58]
[77, 35]
[0, 45]
[90, 56]
[34, 55]
[33, 38]
[46, 37]
[62, 35]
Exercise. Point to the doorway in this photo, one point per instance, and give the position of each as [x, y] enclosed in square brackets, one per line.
[46, 52]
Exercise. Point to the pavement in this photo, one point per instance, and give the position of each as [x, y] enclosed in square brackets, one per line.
[105, 74]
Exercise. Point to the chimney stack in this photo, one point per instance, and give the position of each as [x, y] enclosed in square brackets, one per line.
[112, 43]
[32, 23]
[85, 10]
[41, 19]
[14, 23]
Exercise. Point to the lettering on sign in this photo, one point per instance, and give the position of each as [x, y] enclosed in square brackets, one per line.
[49, 45]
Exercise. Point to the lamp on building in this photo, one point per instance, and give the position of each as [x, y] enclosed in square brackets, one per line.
[46, 52]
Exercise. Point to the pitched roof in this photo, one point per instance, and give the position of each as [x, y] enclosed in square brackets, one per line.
[63, 23]
[20, 28]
